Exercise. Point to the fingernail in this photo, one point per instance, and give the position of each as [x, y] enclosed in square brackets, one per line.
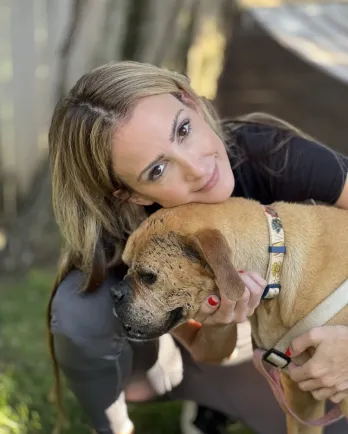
[194, 323]
[240, 271]
[212, 301]
[288, 352]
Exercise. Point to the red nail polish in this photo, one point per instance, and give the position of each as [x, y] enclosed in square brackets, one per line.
[288, 352]
[212, 302]
[240, 271]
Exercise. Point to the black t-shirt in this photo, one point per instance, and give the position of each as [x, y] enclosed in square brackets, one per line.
[89, 345]
[281, 166]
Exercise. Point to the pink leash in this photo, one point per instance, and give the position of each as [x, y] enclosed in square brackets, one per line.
[271, 374]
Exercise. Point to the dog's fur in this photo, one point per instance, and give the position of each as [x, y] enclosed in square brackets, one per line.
[178, 256]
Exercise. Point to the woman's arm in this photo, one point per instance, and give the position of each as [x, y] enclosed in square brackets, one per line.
[342, 201]
[312, 171]
[326, 373]
[207, 343]
[213, 331]
[297, 171]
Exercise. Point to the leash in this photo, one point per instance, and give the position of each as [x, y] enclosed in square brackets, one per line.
[278, 357]
[272, 376]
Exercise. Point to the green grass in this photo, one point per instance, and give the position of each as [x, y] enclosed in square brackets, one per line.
[26, 375]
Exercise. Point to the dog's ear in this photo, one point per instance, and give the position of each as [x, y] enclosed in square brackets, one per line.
[215, 250]
[128, 251]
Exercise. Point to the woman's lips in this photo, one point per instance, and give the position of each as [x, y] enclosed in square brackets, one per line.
[212, 181]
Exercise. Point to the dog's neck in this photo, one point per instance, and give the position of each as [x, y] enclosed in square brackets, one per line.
[252, 249]
[249, 243]
[250, 252]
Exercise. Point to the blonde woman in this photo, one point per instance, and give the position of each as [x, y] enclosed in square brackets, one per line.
[130, 138]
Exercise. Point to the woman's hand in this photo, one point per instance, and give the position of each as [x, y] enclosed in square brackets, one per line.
[200, 340]
[229, 312]
[325, 374]
[214, 312]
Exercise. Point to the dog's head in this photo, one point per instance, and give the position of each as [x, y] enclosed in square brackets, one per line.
[169, 276]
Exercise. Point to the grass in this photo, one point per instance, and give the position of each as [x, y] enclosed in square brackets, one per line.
[26, 375]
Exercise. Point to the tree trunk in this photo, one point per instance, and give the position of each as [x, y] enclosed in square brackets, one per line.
[188, 36]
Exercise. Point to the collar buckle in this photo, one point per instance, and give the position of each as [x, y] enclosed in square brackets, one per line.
[276, 358]
[271, 291]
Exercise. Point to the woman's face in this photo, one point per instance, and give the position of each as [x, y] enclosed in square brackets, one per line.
[167, 153]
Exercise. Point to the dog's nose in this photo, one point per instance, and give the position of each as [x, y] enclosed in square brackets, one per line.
[120, 292]
[117, 294]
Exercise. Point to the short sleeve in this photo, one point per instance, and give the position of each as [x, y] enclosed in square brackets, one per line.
[292, 168]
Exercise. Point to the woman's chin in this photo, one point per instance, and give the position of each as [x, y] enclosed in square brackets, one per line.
[219, 195]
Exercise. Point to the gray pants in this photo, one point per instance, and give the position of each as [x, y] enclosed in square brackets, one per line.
[239, 391]
[98, 362]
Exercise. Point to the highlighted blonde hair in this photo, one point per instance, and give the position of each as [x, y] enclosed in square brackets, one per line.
[94, 223]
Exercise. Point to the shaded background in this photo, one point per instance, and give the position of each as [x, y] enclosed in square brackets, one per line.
[287, 58]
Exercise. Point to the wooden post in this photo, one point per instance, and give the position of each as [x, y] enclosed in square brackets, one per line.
[212, 30]
[24, 91]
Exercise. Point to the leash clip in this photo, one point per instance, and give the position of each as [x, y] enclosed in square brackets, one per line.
[276, 358]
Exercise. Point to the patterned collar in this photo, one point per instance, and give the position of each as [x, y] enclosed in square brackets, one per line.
[277, 251]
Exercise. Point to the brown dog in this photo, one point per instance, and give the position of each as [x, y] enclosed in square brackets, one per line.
[178, 256]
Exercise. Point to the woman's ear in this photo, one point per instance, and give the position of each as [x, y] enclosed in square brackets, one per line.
[122, 194]
[135, 198]
[190, 102]
[186, 99]
[140, 200]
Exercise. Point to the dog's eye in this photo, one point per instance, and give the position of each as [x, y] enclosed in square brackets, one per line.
[148, 277]
[208, 269]
[190, 252]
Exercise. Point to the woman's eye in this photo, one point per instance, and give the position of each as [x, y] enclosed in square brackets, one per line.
[156, 172]
[184, 129]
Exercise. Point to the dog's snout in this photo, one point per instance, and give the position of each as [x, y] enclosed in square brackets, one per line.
[127, 327]
[117, 294]
[120, 293]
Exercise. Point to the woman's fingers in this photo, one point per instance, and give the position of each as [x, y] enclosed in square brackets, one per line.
[216, 311]
[255, 284]
[208, 307]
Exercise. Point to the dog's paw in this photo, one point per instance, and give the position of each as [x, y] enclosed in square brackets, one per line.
[167, 372]
[188, 416]
[117, 414]
[196, 419]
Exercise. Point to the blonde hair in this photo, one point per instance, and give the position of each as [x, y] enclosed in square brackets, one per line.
[95, 224]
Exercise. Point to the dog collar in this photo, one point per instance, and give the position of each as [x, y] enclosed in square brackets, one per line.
[277, 251]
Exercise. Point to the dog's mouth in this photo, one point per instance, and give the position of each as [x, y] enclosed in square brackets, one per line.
[136, 334]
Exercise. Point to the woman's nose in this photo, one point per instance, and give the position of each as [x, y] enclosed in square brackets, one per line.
[194, 169]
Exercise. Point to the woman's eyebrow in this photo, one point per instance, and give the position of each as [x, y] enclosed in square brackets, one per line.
[174, 124]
